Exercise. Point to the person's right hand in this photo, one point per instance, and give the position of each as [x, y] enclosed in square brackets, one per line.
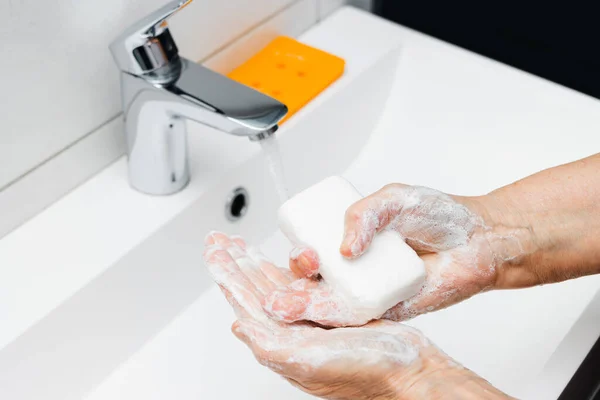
[461, 248]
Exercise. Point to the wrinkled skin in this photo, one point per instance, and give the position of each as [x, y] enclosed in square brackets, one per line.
[381, 360]
[461, 254]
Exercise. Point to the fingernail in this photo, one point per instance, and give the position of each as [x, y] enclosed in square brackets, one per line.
[237, 239]
[296, 253]
[349, 238]
[209, 239]
[347, 243]
[308, 265]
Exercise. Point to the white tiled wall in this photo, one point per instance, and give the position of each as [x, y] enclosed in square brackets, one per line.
[59, 97]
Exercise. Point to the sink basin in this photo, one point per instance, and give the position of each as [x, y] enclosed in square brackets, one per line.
[585, 384]
[69, 335]
[148, 323]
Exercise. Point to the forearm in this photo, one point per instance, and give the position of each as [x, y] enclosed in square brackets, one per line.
[546, 227]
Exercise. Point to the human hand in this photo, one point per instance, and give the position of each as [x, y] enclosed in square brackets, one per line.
[460, 246]
[381, 360]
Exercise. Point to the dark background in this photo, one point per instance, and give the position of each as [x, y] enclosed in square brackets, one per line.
[559, 42]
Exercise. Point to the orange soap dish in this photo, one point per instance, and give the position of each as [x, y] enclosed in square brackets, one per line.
[290, 71]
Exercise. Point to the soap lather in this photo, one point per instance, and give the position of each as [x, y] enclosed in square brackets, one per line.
[388, 273]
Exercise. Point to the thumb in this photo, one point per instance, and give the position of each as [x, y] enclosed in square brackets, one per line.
[368, 216]
[304, 262]
[308, 300]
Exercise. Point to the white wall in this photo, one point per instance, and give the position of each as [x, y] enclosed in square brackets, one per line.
[59, 103]
[58, 79]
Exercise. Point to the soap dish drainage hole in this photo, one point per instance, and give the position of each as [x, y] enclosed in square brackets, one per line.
[237, 204]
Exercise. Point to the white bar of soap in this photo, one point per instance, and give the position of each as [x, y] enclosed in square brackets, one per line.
[389, 272]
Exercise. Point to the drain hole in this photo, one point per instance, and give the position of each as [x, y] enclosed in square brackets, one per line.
[237, 204]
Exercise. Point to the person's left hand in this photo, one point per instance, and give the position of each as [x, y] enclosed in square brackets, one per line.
[381, 360]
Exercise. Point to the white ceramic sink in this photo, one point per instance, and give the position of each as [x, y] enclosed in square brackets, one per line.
[70, 325]
[133, 314]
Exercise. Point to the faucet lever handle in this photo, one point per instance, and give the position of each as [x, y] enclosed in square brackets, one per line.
[147, 45]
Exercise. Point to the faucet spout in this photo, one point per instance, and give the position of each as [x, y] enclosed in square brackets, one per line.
[155, 114]
[232, 107]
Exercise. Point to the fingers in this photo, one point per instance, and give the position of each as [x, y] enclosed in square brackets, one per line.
[247, 265]
[253, 271]
[304, 262]
[308, 300]
[238, 240]
[277, 276]
[367, 217]
[236, 286]
[239, 311]
[258, 268]
[429, 220]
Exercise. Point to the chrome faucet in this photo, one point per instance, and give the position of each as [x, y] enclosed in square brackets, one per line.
[161, 90]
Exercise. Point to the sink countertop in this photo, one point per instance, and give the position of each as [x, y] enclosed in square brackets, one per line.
[468, 125]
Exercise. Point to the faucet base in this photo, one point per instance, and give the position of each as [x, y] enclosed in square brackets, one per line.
[178, 186]
[158, 162]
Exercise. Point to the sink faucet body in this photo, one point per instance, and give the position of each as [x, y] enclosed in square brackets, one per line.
[161, 90]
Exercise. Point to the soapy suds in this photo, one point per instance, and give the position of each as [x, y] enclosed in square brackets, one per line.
[432, 221]
[429, 220]
[450, 279]
[318, 303]
[290, 348]
[301, 351]
[312, 348]
[327, 308]
[300, 342]
[367, 348]
[467, 252]
[315, 218]
[270, 147]
[458, 274]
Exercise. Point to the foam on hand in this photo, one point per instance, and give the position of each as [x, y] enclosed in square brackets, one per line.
[388, 273]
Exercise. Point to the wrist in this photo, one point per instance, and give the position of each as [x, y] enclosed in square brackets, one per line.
[441, 378]
[538, 242]
[512, 239]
